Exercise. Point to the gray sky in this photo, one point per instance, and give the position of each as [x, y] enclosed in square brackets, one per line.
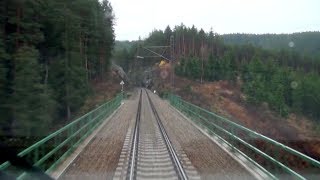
[136, 18]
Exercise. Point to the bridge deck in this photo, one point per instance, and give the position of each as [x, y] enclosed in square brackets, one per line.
[199, 154]
[99, 159]
[206, 156]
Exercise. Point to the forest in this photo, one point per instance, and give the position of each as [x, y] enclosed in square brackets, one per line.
[306, 43]
[50, 52]
[285, 79]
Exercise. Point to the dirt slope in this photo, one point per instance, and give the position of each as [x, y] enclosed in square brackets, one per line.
[227, 100]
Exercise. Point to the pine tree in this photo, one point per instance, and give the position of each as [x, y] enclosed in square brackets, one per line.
[4, 122]
[168, 34]
[29, 101]
[59, 46]
[306, 98]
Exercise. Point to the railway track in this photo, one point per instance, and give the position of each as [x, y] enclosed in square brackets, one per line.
[152, 156]
[151, 151]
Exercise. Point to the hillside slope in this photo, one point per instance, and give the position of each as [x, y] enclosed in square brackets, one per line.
[226, 99]
[307, 43]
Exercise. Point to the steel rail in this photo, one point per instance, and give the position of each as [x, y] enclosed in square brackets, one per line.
[134, 145]
[173, 155]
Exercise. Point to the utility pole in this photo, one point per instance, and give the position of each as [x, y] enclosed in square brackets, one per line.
[135, 68]
[171, 62]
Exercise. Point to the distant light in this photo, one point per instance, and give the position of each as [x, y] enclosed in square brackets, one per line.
[291, 44]
[294, 85]
[140, 57]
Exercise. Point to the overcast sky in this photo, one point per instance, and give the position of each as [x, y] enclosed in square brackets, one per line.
[136, 18]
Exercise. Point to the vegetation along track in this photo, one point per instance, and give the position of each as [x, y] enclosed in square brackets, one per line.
[152, 155]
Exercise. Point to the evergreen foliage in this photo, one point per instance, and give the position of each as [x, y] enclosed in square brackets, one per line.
[286, 79]
[49, 53]
[307, 43]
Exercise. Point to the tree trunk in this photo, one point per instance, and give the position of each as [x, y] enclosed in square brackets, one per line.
[86, 58]
[184, 45]
[80, 46]
[68, 112]
[47, 74]
[18, 30]
[66, 66]
[101, 63]
[202, 51]
[193, 53]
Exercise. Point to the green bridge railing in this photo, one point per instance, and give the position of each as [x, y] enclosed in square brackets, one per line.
[49, 152]
[275, 159]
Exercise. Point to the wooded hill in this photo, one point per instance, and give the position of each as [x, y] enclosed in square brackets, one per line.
[49, 53]
[305, 43]
[284, 79]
